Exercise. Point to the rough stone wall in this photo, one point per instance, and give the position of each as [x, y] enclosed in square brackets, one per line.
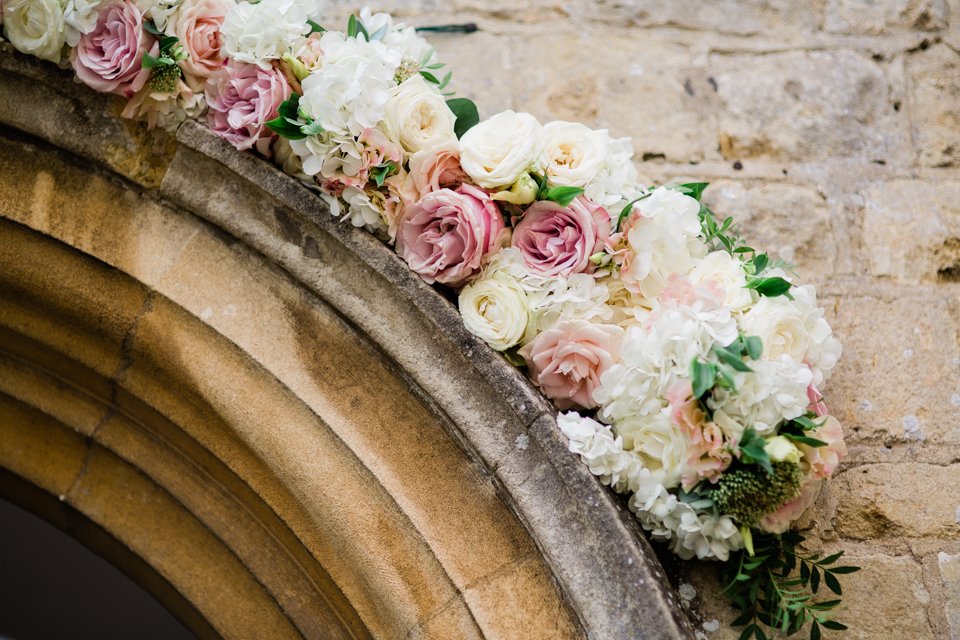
[831, 130]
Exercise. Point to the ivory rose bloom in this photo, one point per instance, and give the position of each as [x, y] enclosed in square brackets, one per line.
[659, 443]
[556, 240]
[495, 310]
[496, 152]
[197, 24]
[573, 153]
[35, 27]
[109, 58]
[725, 271]
[242, 98]
[566, 361]
[445, 235]
[418, 117]
[435, 169]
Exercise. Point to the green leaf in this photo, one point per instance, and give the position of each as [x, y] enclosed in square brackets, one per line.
[754, 347]
[815, 631]
[429, 77]
[742, 619]
[466, 113]
[759, 262]
[625, 212]
[445, 81]
[353, 27]
[381, 172]
[748, 632]
[316, 28]
[810, 442]
[312, 129]
[833, 625]
[167, 42]
[770, 287]
[832, 583]
[149, 27]
[282, 127]
[751, 450]
[814, 579]
[289, 108]
[703, 376]
[844, 570]
[831, 559]
[693, 189]
[150, 62]
[562, 195]
[731, 359]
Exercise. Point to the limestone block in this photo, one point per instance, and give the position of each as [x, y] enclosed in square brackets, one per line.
[911, 229]
[805, 106]
[897, 380]
[874, 18]
[898, 500]
[950, 578]
[935, 81]
[885, 599]
[789, 222]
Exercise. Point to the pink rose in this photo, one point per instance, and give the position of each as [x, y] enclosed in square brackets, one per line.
[566, 361]
[557, 240]
[242, 98]
[823, 461]
[445, 235]
[197, 24]
[708, 456]
[435, 169]
[817, 405]
[108, 59]
[781, 519]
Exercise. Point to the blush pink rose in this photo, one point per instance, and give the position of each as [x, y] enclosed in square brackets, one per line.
[708, 456]
[781, 519]
[567, 360]
[242, 98]
[817, 405]
[435, 169]
[109, 58]
[445, 235]
[824, 461]
[197, 24]
[555, 240]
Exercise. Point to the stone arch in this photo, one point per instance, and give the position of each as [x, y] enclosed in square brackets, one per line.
[263, 416]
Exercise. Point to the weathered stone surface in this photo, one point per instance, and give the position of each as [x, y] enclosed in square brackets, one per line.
[788, 221]
[949, 566]
[726, 16]
[885, 599]
[911, 230]
[899, 376]
[870, 17]
[935, 83]
[886, 500]
[804, 106]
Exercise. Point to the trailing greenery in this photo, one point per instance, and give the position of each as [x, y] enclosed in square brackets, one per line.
[769, 590]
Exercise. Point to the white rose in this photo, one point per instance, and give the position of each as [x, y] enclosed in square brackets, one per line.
[35, 27]
[418, 117]
[573, 153]
[494, 309]
[722, 269]
[496, 152]
[660, 444]
[350, 91]
[80, 17]
[261, 32]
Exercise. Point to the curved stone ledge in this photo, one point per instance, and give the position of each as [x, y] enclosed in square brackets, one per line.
[285, 395]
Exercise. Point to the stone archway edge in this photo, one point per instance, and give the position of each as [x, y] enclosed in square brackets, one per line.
[605, 567]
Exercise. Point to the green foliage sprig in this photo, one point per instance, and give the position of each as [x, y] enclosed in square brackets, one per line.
[561, 195]
[768, 592]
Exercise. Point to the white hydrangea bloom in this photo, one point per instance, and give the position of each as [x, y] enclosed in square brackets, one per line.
[690, 533]
[261, 32]
[617, 177]
[397, 36]
[662, 240]
[349, 92]
[80, 17]
[603, 453]
[653, 358]
[775, 390]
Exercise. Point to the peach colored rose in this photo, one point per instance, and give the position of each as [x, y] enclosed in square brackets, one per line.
[242, 98]
[436, 168]
[445, 236]
[567, 360]
[781, 519]
[109, 58]
[556, 240]
[197, 24]
[823, 461]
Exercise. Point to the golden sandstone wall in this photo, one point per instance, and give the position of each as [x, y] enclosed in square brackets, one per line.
[831, 128]
[190, 385]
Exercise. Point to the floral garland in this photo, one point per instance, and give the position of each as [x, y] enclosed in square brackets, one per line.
[687, 364]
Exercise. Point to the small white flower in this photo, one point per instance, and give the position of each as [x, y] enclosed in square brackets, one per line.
[496, 152]
[35, 27]
[494, 308]
[261, 32]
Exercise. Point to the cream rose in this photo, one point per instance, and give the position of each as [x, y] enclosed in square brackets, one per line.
[781, 325]
[660, 444]
[573, 153]
[495, 310]
[496, 152]
[721, 269]
[35, 27]
[418, 117]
